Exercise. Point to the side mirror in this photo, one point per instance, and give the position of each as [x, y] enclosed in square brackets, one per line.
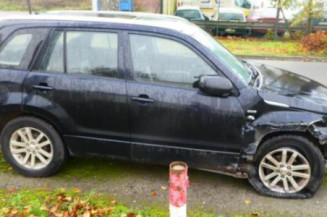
[215, 86]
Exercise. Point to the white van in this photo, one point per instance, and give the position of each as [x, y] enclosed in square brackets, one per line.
[210, 7]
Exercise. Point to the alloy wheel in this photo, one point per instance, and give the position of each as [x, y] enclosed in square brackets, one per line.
[284, 170]
[31, 148]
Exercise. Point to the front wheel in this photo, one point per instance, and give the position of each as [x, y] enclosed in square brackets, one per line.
[287, 167]
[32, 147]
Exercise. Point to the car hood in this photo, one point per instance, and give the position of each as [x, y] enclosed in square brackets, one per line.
[297, 91]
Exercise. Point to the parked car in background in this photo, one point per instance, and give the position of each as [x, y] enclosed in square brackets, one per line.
[192, 13]
[155, 91]
[264, 15]
[231, 15]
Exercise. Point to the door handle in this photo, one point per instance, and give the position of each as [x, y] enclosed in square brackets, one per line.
[143, 99]
[42, 87]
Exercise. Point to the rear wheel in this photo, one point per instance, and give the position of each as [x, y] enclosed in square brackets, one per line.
[288, 167]
[32, 147]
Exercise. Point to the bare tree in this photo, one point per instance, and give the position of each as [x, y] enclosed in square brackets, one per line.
[280, 4]
[29, 5]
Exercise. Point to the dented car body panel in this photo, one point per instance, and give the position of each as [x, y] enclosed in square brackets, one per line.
[101, 116]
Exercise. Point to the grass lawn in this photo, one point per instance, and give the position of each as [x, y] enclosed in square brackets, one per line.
[263, 47]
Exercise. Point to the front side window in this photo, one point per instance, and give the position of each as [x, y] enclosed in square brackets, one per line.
[18, 50]
[166, 61]
[94, 53]
[237, 67]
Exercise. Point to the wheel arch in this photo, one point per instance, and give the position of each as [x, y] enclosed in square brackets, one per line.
[250, 151]
[305, 134]
[6, 118]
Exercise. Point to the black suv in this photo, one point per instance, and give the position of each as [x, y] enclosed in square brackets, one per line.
[155, 90]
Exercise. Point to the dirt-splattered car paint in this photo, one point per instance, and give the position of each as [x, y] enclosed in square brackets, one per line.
[155, 90]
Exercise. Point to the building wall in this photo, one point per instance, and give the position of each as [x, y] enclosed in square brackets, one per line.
[153, 6]
[169, 6]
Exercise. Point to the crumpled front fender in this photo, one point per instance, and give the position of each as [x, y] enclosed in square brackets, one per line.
[284, 122]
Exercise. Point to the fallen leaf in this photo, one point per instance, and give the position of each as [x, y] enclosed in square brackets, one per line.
[163, 187]
[113, 202]
[5, 210]
[87, 214]
[154, 194]
[247, 202]
[131, 214]
[14, 212]
[44, 208]
[12, 189]
[255, 214]
[68, 199]
[76, 190]
[63, 190]
[54, 209]
[27, 209]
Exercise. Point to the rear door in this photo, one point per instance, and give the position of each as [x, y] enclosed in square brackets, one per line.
[78, 83]
[17, 50]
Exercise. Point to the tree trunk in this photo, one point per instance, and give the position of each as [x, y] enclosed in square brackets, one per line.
[29, 6]
[277, 23]
[309, 24]
[286, 23]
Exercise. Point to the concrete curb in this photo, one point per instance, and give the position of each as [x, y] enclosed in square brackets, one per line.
[302, 59]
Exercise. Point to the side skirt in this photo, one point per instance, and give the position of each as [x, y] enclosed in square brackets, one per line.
[209, 160]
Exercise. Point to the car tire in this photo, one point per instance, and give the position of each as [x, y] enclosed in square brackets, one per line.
[304, 164]
[32, 147]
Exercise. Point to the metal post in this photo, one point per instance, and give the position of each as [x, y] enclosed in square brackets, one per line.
[29, 6]
[217, 30]
[179, 183]
[94, 5]
[277, 20]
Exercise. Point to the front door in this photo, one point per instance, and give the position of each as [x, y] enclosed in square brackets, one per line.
[171, 120]
[78, 84]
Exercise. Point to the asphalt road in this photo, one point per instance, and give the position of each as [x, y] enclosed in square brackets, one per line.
[12, 13]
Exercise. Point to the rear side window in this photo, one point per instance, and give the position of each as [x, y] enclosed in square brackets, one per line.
[19, 49]
[82, 52]
[53, 60]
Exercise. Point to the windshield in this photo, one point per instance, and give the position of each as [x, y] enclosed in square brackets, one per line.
[189, 14]
[223, 54]
[231, 16]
